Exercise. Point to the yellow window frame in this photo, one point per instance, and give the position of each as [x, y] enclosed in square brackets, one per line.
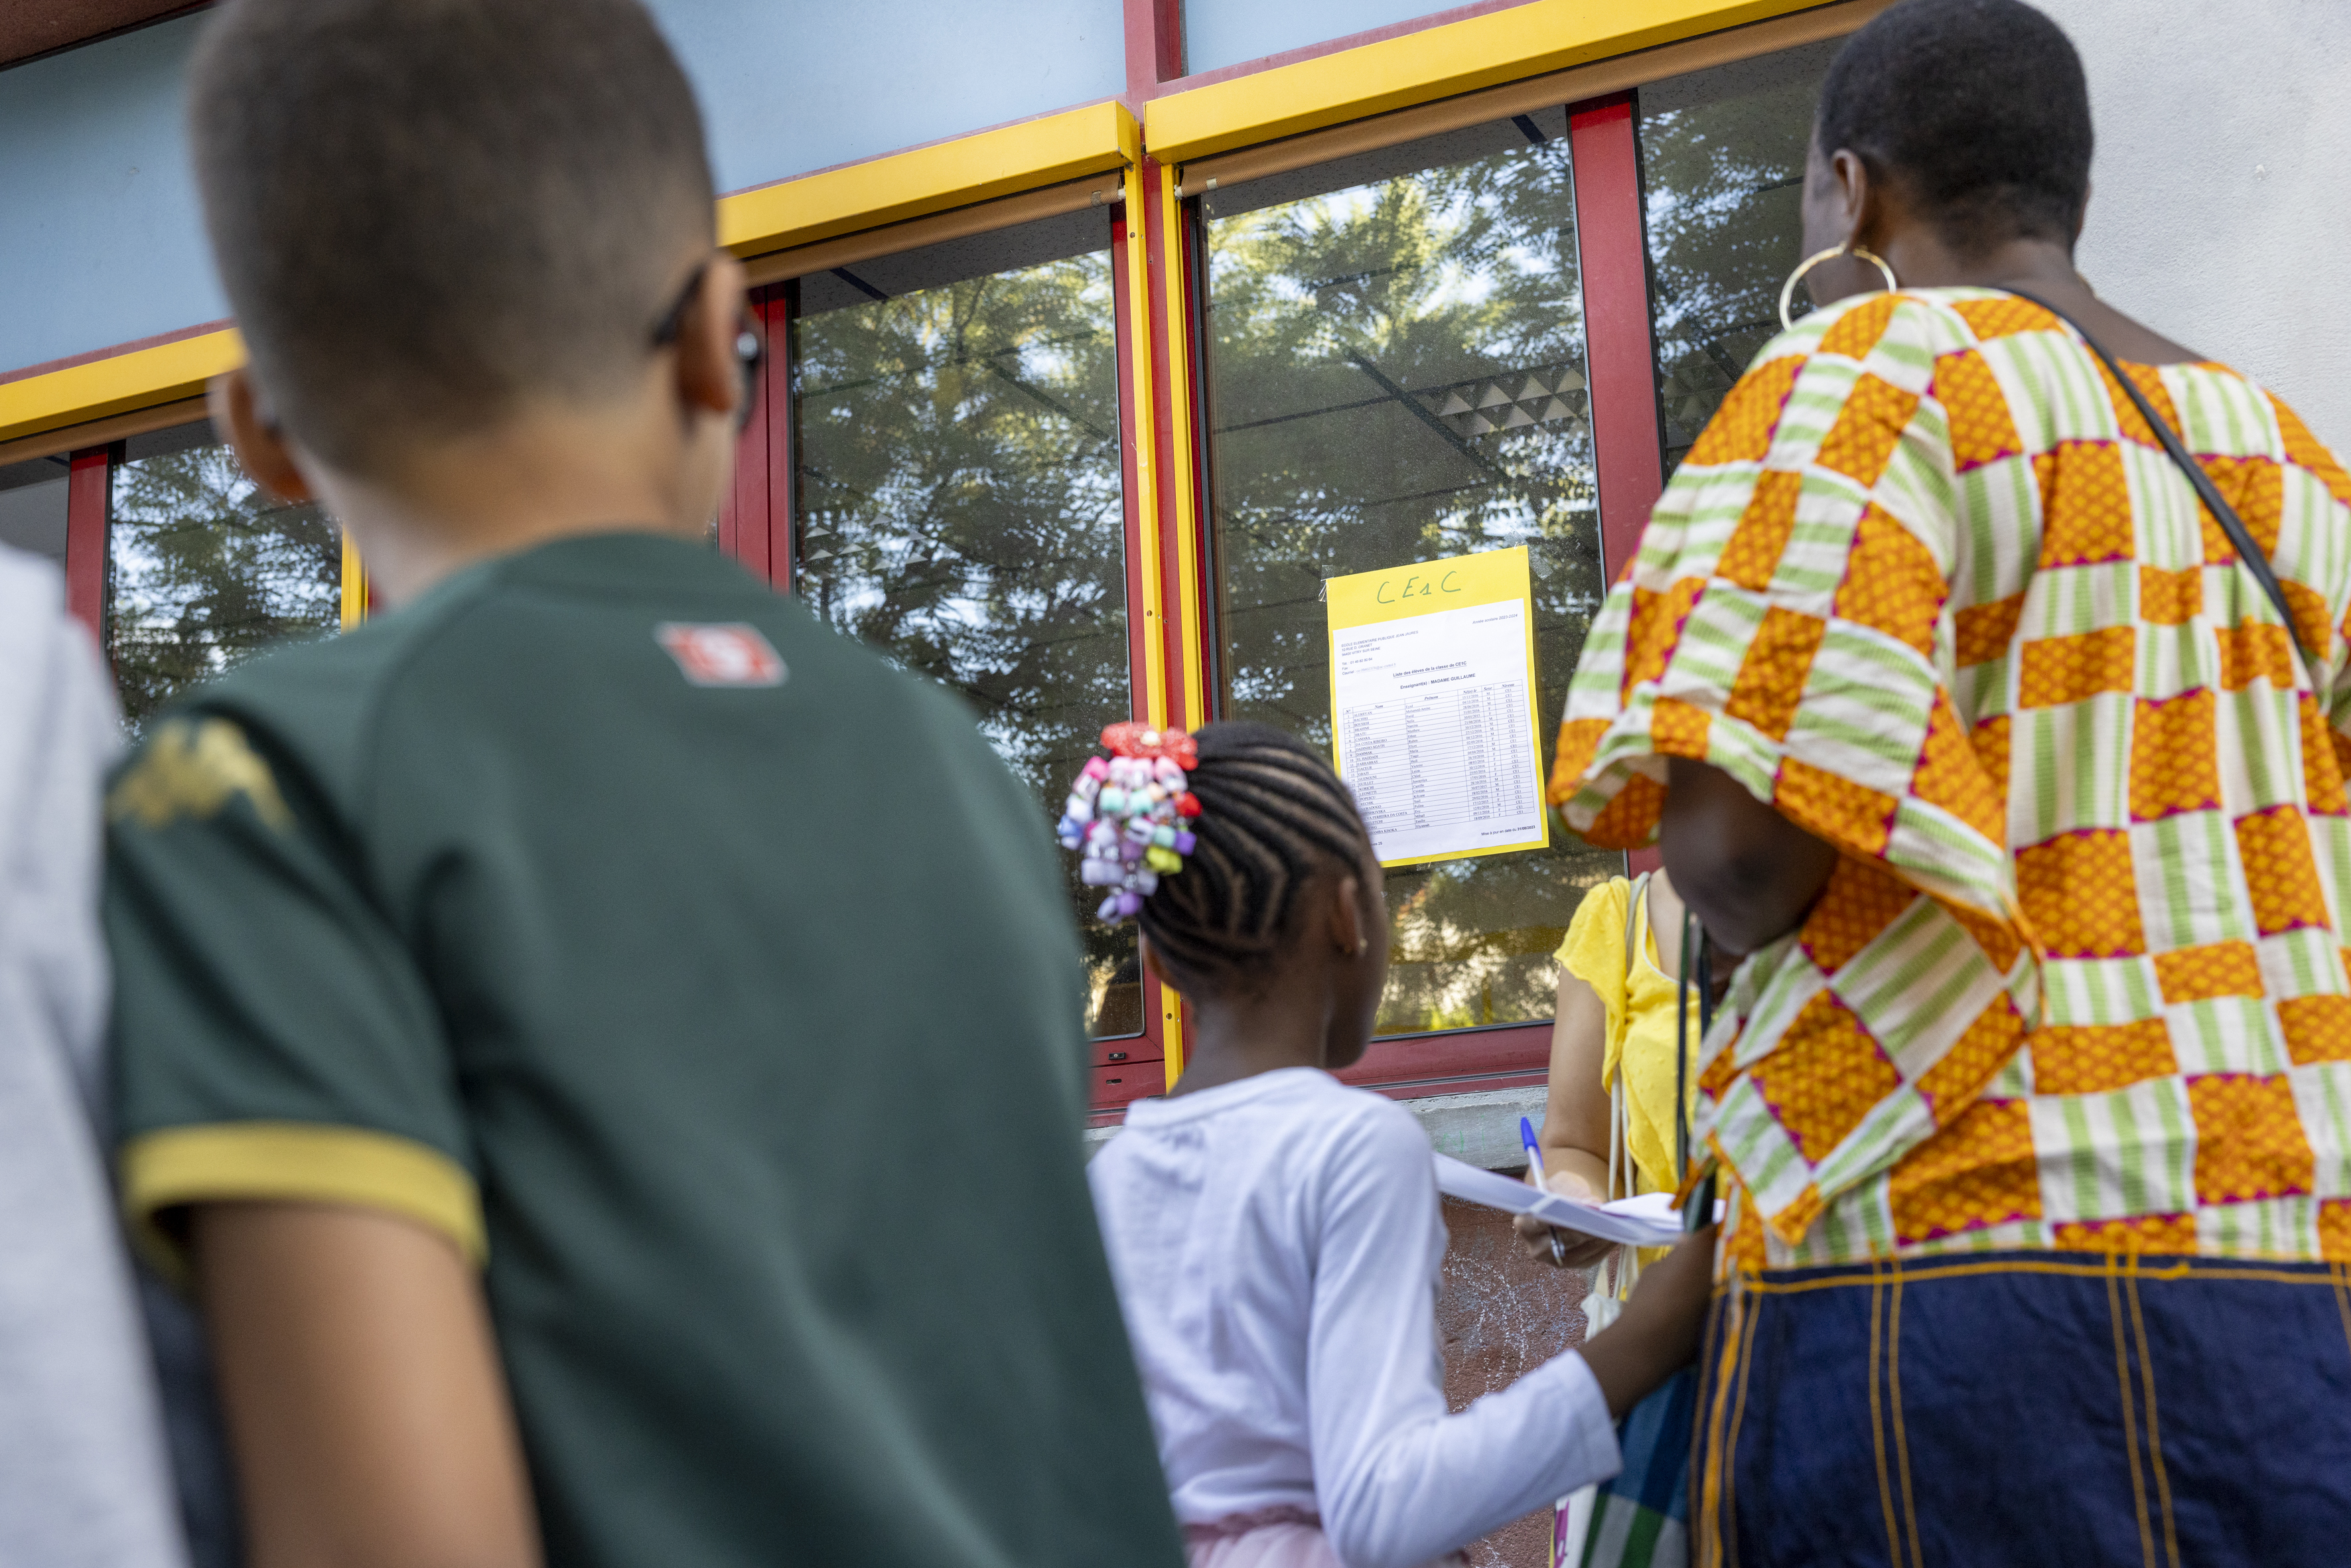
[1526, 40]
[1052, 161]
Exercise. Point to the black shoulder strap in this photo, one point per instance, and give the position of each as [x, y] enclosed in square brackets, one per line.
[2208, 493]
[1700, 1211]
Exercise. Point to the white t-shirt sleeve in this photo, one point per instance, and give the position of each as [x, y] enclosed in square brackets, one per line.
[1399, 1480]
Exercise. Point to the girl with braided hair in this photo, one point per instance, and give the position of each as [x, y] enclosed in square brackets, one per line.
[1276, 1234]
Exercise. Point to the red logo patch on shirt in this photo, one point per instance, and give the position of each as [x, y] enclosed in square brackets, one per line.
[727, 654]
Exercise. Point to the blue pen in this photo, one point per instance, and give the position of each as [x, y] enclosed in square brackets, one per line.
[1535, 1166]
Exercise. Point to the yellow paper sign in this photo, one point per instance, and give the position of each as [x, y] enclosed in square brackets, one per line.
[1433, 713]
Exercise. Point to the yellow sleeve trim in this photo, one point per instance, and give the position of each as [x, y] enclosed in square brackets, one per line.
[300, 1161]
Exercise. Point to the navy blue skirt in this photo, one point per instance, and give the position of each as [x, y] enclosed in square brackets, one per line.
[2027, 1408]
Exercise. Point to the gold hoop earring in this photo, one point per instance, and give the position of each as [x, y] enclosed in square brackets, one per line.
[1788, 289]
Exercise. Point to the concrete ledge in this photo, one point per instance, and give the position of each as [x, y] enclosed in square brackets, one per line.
[1481, 1127]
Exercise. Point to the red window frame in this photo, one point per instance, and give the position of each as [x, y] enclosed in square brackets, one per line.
[89, 498]
[1628, 457]
[1628, 453]
[756, 527]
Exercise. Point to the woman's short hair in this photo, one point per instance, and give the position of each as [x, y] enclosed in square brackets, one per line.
[1978, 107]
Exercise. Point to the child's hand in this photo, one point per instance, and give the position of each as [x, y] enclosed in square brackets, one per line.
[1658, 1333]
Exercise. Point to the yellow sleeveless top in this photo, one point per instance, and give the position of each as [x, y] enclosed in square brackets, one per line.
[1639, 999]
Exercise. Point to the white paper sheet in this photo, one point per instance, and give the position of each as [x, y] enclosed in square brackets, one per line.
[1648, 1220]
[1435, 734]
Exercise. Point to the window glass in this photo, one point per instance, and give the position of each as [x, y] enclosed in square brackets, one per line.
[1722, 173]
[1395, 349]
[33, 506]
[205, 569]
[959, 505]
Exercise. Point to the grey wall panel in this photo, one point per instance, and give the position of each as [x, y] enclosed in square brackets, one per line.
[103, 242]
[789, 88]
[2222, 135]
[1220, 33]
[32, 509]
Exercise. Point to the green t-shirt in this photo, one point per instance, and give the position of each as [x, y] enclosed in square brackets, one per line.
[709, 981]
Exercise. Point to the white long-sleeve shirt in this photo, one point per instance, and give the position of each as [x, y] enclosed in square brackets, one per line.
[1276, 1244]
[84, 1482]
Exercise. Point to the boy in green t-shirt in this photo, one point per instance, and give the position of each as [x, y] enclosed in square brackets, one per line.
[604, 1049]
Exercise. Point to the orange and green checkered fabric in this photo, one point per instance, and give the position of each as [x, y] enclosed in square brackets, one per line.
[1928, 586]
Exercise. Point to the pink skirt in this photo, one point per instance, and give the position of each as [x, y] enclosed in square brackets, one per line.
[1270, 1538]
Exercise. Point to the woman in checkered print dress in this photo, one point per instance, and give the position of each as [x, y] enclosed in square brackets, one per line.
[1961, 723]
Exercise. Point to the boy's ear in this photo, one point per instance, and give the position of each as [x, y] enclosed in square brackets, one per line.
[258, 441]
[709, 372]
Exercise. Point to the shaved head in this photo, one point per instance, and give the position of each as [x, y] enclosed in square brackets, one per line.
[429, 214]
[1979, 105]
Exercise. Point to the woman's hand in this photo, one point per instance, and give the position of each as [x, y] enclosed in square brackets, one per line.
[1563, 1249]
[1574, 1125]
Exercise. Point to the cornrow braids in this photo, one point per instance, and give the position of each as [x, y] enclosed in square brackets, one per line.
[1272, 814]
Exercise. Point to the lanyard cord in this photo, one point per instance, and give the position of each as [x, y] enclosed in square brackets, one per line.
[1681, 1053]
[1701, 1208]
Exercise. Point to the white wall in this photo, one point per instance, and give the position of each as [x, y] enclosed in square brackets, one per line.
[791, 88]
[2220, 213]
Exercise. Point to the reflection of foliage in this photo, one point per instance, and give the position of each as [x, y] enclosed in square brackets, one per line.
[960, 508]
[1724, 178]
[205, 570]
[1397, 375]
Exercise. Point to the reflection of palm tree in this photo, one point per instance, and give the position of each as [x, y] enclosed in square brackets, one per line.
[961, 490]
[1723, 169]
[1396, 374]
[205, 570]
[960, 509]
